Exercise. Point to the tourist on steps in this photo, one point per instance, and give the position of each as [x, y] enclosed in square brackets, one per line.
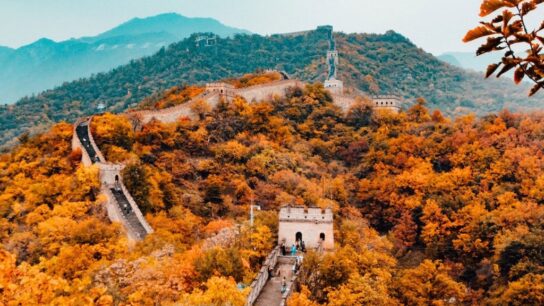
[283, 285]
[293, 250]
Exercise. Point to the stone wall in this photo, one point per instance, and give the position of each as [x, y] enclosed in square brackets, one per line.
[110, 177]
[254, 94]
[76, 145]
[262, 277]
[213, 96]
[343, 101]
[172, 114]
[267, 91]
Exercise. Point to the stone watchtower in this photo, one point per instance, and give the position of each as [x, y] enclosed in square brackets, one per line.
[312, 225]
[224, 89]
[388, 102]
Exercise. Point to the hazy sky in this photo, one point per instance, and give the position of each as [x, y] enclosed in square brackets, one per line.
[435, 25]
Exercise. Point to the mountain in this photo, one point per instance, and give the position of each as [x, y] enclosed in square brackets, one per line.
[171, 23]
[46, 63]
[4, 52]
[469, 60]
[385, 63]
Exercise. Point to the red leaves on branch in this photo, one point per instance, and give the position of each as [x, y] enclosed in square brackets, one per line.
[506, 30]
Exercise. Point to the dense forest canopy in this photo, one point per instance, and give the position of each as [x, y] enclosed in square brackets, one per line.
[428, 210]
[387, 63]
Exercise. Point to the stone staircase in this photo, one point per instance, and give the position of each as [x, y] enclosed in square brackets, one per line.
[128, 213]
[266, 289]
[121, 206]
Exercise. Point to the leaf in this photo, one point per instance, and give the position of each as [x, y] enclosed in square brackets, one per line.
[516, 26]
[518, 75]
[478, 32]
[524, 37]
[489, 6]
[527, 7]
[539, 72]
[535, 89]
[491, 69]
[498, 19]
[506, 68]
[541, 27]
[506, 16]
[492, 44]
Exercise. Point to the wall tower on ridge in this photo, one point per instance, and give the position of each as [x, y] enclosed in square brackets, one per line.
[332, 83]
[312, 225]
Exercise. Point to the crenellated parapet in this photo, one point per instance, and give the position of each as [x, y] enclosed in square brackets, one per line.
[387, 102]
[303, 214]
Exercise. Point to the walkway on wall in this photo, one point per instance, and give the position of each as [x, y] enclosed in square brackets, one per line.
[128, 213]
[82, 131]
[331, 61]
[267, 286]
[271, 293]
[121, 206]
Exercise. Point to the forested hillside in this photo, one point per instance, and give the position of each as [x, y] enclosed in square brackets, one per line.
[387, 63]
[428, 210]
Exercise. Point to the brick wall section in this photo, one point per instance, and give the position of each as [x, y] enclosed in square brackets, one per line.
[108, 174]
[250, 94]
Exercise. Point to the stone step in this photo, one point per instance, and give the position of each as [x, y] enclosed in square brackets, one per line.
[128, 213]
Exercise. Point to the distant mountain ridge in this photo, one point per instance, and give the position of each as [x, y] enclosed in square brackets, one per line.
[46, 63]
[469, 60]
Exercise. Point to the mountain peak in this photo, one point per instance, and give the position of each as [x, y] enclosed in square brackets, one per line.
[44, 41]
[178, 25]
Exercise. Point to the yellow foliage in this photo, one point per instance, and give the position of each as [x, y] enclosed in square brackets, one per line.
[219, 291]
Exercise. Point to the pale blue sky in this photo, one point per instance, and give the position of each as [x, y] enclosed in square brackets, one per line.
[435, 25]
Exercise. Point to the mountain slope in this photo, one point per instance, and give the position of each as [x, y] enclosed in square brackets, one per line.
[389, 61]
[45, 63]
[427, 211]
[5, 51]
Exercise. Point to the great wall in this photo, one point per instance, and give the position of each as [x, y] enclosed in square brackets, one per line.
[121, 207]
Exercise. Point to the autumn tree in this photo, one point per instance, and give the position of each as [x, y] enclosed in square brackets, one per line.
[429, 284]
[220, 262]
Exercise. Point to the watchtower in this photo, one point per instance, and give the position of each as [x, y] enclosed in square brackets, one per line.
[334, 86]
[387, 102]
[312, 225]
[224, 89]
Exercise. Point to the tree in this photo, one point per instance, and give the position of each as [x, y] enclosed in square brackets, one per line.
[508, 32]
[360, 113]
[201, 108]
[220, 262]
[219, 291]
[529, 290]
[429, 284]
[135, 179]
